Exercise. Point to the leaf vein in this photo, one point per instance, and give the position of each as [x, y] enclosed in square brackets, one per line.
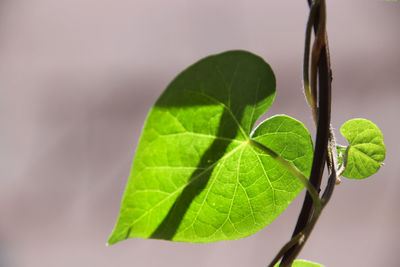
[183, 186]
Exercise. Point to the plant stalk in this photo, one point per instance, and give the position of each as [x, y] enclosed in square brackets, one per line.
[322, 115]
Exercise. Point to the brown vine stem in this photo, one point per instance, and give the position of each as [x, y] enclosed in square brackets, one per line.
[324, 135]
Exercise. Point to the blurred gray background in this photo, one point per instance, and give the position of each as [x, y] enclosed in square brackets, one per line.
[78, 77]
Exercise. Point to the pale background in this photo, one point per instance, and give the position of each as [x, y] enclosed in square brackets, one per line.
[78, 77]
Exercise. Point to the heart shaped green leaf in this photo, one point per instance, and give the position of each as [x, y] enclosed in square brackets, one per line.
[303, 263]
[196, 176]
[366, 151]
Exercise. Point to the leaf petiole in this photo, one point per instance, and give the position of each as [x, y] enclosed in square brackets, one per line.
[294, 170]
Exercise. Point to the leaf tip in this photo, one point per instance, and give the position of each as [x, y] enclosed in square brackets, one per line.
[112, 240]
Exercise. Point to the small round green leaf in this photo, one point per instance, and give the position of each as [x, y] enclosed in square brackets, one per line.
[302, 263]
[366, 150]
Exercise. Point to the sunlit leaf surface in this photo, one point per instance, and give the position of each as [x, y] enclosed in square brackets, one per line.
[195, 176]
[366, 150]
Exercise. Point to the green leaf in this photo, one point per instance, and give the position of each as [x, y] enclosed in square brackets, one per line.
[196, 177]
[366, 151]
[302, 263]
